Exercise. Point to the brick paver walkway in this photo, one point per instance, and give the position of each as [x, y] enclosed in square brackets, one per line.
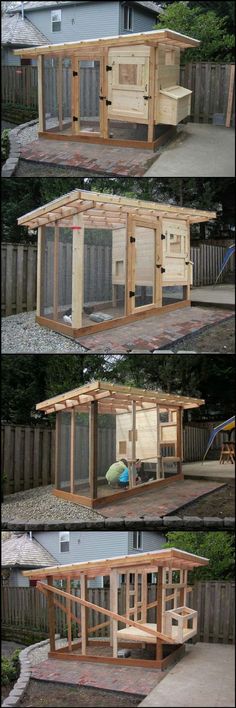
[94, 158]
[154, 332]
[159, 502]
[102, 676]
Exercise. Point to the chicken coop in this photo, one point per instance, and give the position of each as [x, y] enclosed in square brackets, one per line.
[120, 90]
[100, 423]
[106, 260]
[154, 628]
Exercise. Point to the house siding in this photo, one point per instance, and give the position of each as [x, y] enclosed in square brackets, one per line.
[142, 21]
[83, 547]
[8, 58]
[18, 580]
[151, 541]
[91, 21]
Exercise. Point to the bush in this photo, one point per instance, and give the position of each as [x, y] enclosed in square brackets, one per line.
[5, 145]
[10, 668]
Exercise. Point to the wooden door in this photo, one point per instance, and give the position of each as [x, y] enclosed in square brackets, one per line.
[128, 83]
[176, 252]
[144, 286]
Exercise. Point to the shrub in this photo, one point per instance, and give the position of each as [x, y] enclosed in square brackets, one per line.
[10, 668]
[5, 145]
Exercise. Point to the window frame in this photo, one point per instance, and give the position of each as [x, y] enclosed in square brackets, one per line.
[66, 540]
[137, 540]
[129, 17]
[53, 22]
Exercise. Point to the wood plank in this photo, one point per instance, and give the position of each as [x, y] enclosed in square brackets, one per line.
[51, 612]
[77, 271]
[230, 96]
[41, 96]
[72, 450]
[93, 436]
[84, 613]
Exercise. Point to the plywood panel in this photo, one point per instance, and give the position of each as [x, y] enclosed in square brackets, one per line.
[146, 434]
[176, 251]
[128, 83]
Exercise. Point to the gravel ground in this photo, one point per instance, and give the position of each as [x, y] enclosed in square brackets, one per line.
[43, 693]
[26, 168]
[218, 339]
[8, 648]
[219, 504]
[40, 506]
[20, 333]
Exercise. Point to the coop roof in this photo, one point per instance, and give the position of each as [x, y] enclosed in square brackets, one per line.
[115, 398]
[18, 31]
[154, 37]
[170, 557]
[109, 207]
[19, 550]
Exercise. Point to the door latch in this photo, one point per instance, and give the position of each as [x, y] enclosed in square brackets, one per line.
[131, 293]
[132, 239]
[146, 98]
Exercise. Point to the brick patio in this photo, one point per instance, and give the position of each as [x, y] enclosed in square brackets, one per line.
[159, 502]
[102, 676]
[154, 332]
[129, 162]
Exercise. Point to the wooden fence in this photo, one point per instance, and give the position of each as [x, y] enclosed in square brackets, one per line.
[214, 601]
[27, 454]
[210, 83]
[19, 269]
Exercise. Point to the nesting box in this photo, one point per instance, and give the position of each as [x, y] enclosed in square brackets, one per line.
[120, 90]
[105, 260]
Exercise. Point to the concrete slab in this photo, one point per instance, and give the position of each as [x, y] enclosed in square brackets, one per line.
[218, 295]
[204, 677]
[200, 150]
[209, 469]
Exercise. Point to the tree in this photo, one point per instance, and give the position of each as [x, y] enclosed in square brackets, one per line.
[217, 43]
[218, 546]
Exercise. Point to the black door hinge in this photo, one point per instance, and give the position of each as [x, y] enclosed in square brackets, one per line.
[163, 270]
[187, 262]
[158, 265]
[132, 239]
[146, 98]
[131, 293]
[162, 237]
[75, 118]
[75, 73]
[108, 68]
[102, 98]
[108, 103]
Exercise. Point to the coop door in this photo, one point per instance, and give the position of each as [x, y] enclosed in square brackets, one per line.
[128, 81]
[87, 92]
[143, 272]
[176, 253]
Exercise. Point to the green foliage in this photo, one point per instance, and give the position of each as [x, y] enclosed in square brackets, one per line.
[16, 113]
[217, 42]
[217, 546]
[5, 145]
[10, 668]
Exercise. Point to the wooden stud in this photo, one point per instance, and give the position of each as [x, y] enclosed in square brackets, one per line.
[55, 273]
[57, 443]
[41, 106]
[59, 91]
[77, 271]
[151, 103]
[51, 613]
[72, 450]
[40, 270]
[230, 96]
[132, 468]
[84, 613]
[75, 109]
[114, 604]
[68, 607]
[93, 416]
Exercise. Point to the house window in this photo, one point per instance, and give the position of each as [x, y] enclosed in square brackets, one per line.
[137, 540]
[64, 541]
[128, 18]
[56, 20]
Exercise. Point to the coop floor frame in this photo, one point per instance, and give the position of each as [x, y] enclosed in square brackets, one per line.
[153, 255]
[166, 634]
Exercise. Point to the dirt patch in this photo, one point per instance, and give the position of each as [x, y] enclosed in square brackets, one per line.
[42, 693]
[219, 338]
[220, 504]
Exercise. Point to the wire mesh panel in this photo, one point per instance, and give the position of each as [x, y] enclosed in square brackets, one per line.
[64, 277]
[106, 450]
[144, 265]
[64, 451]
[172, 294]
[81, 455]
[57, 94]
[47, 306]
[104, 275]
[89, 96]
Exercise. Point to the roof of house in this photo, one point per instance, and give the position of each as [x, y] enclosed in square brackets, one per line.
[152, 37]
[149, 6]
[20, 32]
[117, 397]
[168, 557]
[22, 551]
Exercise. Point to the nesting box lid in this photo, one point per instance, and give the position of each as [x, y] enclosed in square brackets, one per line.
[176, 92]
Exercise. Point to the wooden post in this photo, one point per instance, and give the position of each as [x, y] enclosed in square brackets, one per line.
[40, 270]
[72, 451]
[104, 87]
[75, 95]
[151, 91]
[57, 438]
[135, 616]
[127, 594]
[130, 264]
[59, 91]
[179, 433]
[158, 257]
[159, 646]
[68, 607]
[93, 420]
[41, 107]
[144, 598]
[230, 96]
[132, 471]
[77, 271]
[51, 615]
[84, 613]
[55, 272]
[114, 606]
[158, 463]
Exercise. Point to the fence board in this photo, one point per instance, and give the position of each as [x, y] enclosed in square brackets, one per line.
[214, 601]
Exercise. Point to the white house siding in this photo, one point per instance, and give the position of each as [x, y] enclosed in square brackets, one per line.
[91, 20]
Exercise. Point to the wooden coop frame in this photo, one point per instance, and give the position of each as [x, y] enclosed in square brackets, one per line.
[150, 255]
[138, 83]
[170, 630]
[140, 434]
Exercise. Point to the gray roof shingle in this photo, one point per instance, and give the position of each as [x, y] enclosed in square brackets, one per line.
[152, 6]
[19, 550]
[21, 32]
